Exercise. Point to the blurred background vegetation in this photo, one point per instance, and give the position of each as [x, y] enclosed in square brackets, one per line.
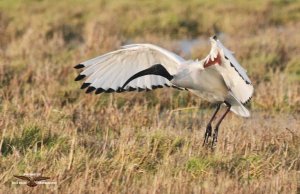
[139, 142]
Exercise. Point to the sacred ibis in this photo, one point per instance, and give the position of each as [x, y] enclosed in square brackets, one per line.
[218, 78]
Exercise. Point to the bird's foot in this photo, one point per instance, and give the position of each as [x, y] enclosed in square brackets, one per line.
[207, 134]
[215, 137]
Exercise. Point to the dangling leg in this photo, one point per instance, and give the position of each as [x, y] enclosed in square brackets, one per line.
[215, 135]
[208, 127]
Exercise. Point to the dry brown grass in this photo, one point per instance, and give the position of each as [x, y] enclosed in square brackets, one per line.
[144, 142]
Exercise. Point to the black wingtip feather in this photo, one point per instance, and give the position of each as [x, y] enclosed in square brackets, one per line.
[79, 66]
[130, 89]
[119, 90]
[85, 85]
[79, 77]
[141, 89]
[99, 91]
[90, 89]
[247, 101]
[156, 86]
[110, 90]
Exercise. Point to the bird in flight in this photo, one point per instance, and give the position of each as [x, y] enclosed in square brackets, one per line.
[31, 181]
[218, 78]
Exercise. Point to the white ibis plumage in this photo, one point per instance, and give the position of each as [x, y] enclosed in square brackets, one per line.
[218, 78]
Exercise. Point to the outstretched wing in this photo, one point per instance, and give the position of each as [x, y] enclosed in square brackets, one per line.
[232, 72]
[23, 177]
[109, 72]
[234, 63]
[40, 178]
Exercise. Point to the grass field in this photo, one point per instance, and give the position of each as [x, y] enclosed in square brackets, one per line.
[146, 142]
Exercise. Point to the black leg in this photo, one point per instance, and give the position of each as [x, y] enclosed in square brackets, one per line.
[215, 135]
[208, 127]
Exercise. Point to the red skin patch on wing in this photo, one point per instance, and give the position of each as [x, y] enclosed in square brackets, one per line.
[217, 60]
